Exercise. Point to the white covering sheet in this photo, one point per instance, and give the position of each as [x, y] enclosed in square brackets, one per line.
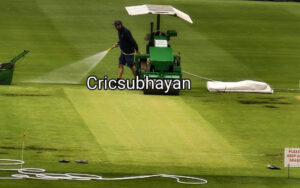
[246, 86]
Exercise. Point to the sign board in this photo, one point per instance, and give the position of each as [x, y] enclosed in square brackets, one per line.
[292, 157]
[161, 43]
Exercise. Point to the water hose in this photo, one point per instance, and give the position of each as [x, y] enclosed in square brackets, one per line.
[109, 49]
[41, 174]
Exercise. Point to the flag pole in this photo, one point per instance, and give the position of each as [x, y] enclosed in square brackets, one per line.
[23, 145]
[288, 171]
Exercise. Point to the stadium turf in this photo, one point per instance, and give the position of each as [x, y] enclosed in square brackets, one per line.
[229, 139]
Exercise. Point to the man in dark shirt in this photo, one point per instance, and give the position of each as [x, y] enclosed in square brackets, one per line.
[127, 45]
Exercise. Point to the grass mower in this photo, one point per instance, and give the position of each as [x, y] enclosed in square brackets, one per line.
[7, 69]
[159, 62]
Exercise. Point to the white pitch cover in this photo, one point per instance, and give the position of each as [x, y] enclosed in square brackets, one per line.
[246, 86]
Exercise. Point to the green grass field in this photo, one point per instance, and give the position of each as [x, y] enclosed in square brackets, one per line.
[229, 139]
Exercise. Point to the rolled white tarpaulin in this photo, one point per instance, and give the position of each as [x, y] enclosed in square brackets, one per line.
[246, 86]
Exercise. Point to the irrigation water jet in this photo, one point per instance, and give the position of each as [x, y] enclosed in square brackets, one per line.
[72, 73]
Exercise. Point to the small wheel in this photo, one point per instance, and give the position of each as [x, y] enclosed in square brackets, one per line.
[144, 66]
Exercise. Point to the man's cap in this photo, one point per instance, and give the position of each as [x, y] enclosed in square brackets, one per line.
[117, 22]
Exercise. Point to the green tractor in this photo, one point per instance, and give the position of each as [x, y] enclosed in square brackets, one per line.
[7, 69]
[159, 62]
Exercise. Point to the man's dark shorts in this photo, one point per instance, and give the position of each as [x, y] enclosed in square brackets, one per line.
[126, 60]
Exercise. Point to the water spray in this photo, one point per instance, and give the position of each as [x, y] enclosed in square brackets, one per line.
[73, 73]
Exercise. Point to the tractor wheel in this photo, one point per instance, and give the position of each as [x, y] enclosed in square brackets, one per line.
[144, 66]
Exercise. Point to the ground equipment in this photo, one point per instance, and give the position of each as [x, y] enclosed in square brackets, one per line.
[7, 69]
[159, 62]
